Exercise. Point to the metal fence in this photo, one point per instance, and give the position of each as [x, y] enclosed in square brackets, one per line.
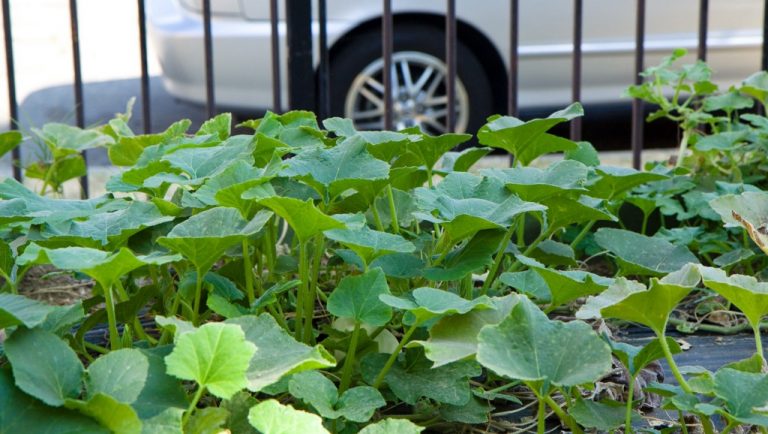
[300, 63]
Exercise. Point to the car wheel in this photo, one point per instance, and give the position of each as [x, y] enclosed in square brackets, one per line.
[419, 92]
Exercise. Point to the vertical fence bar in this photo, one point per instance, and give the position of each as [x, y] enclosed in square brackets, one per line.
[637, 105]
[703, 27]
[146, 118]
[514, 42]
[277, 104]
[301, 86]
[13, 104]
[78, 83]
[210, 95]
[386, 48]
[578, 14]
[764, 57]
[324, 92]
[450, 60]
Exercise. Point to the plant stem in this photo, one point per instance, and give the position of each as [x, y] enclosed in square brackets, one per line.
[497, 260]
[731, 425]
[349, 361]
[192, 405]
[248, 272]
[114, 335]
[377, 217]
[393, 356]
[582, 234]
[302, 295]
[198, 296]
[312, 290]
[683, 147]
[672, 365]
[630, 397]
[542, 236]
[759, 344]
[568, 420]
[392, 210]
[541, 417]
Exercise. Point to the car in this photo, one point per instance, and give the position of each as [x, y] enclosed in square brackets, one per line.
[243, 80]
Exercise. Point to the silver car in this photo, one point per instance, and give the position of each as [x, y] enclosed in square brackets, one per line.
[241, 47]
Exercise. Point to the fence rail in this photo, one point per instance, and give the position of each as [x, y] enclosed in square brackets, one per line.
[302, 93]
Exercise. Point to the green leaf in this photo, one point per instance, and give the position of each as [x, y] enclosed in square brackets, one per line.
[162, 401]
[448, 384]
[62, 139]
[237, 408]
[565, 177]
[528, 140]
[392, 426]
[475, 411]
[120, 374]
[566, 286]
[356, 404]
[346, 166]
[277, 353]
[271, 417]
[425, 303]
[619, 290]
[200, 163]
[204, 237]
[474, 256]
[44, 366]
[635, 359]
[743, 392]
[119, 417]
[22, 204]
[454, 337]
[429, 149]
[615, 181]
[464, 204]
[9, 140]
[650, 307]
[215, 355]
[110, 227]
[756, 85]
[357, 297]
[303, 217]
[21, 413]
[602, 416]
[640, 254]
[464, 160]
[584, 153]
[528, 346]
[102, 266]
[20, 310]
[370, 244]
[218, 126]
[749, 295]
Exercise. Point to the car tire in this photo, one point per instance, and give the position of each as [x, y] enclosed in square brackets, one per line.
[356, 90]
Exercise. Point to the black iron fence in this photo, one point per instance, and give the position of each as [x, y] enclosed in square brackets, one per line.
[315, 95]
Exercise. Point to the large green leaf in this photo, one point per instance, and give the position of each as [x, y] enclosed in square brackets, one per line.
[568, 285]
[602, 416]
[357, 297]
[216, 356]
[529, 346]
[20, 310]
[119, 417]
[448, 384]
[464, 204]
[200, 163]
[346, 166]
[271, 417]
[303, 216]
[219, 125]
[640, 254]
[743, 393]
[277, 353]
[62, 139]
[564, 211]
[370, 244]
[44, 366]
[425, 303]
[392, 426]
[21, 413]
[356, 404]
[429, 149]
[106, 228]
[120, 374]
[240, 173]
[745, 292]
[454, 337]
[102, 266]
[204, 237]
[565, 177]
[528, 140]
[650, 307]
[613, 182]
[20, 203]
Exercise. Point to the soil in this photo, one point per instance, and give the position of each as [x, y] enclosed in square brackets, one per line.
[49, 285]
